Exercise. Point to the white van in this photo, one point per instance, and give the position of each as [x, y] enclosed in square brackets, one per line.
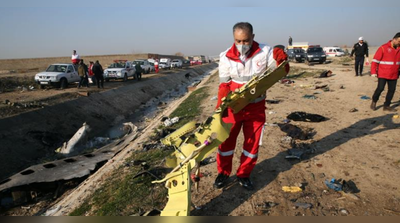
[334, 51]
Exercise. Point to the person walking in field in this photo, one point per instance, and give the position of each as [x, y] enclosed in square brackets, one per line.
[98, 73]
[386, 67]
[360, 50]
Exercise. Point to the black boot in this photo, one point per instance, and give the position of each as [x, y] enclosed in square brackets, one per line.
[220, 181]
[246, 183]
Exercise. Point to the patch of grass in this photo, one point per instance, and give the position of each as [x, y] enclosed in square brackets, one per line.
[82, 210]
[297, 73]
[11, 83]
[124, 195]
[191, 107]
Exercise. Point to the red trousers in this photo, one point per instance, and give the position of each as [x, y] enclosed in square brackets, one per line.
[251, 119]
[156, 68]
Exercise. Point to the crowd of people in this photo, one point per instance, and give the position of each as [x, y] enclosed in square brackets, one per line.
[88, 74]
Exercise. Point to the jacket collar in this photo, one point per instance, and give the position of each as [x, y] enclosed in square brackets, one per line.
[233, 53]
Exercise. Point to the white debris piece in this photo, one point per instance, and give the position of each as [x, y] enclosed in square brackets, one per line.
[169, 122]
[68, 147]
[214, 98]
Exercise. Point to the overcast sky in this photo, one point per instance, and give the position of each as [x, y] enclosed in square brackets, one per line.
[44, 28]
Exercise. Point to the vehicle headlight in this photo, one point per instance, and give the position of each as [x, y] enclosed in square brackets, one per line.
[297, 55]
[310, 55]
[323, 55]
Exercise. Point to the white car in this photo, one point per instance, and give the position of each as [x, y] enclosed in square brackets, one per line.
[120, 69]
[165, 63]
[176, 63]
[144, 64]
[59, 75]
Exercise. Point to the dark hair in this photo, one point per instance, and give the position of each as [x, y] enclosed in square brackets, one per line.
[243, 26]
[396, 36]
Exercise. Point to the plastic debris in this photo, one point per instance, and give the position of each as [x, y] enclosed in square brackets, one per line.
[271, 124]
[286, 81]
[273, 101]
[309, 96]
[214, 98]
[364, 97]
[334, 184]
[395, 116]
[169, 122]
[294, 154]
[291, 189]
[303, 205]
[271, 112]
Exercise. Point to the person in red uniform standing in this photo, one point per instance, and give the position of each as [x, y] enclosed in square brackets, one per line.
[385, 66]
[156, 65]
[238, 64]
[75, 58]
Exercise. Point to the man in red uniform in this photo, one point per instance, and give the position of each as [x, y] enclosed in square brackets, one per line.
[238, 64]
[385, 66]
[75, 58]
[156, 66]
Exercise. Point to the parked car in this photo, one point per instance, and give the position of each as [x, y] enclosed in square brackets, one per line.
[120, 69]
[59, 75]
[176, 63]
[165, 63]
[144, 64]
[316, 54]
[297, 54]
[196, 62]
[334, 51]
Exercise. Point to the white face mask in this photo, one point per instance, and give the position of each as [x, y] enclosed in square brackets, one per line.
[243, 49]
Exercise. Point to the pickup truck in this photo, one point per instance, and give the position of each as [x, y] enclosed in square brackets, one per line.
[59, 75]
[165, 63]
[176, 63]
[120, 69]
[145, 65]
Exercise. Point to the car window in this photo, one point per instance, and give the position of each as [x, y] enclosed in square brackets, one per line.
[314, 50]
[70, 69]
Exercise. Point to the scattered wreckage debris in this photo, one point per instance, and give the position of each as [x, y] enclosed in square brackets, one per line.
[306, 117]
[83, 93]
[342, 185]
[20, 186]
[326, 73]
[353, 110]
[296, 132]
[193, 86]
[292, 189]
[79, 136]
[310, 96]
[276, 101]
[168, 122]
[33, 104]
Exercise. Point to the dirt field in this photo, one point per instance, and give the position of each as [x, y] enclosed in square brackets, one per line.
[355, 144]
[361, 146]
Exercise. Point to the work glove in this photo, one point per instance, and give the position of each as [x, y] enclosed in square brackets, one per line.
[223, 91]
[280, 56]
[374, 75]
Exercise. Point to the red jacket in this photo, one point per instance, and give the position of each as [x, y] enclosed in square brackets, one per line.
[386, 62]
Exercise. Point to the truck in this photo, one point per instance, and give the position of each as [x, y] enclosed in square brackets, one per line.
[176, 63]
[145, 65]
[120, 69]
[59, 75]
[165, 63]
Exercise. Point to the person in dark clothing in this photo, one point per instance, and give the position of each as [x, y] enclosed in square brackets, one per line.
[138, 72]
[360, 49]
[98, 73]
[83, 74]
[290, 40]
